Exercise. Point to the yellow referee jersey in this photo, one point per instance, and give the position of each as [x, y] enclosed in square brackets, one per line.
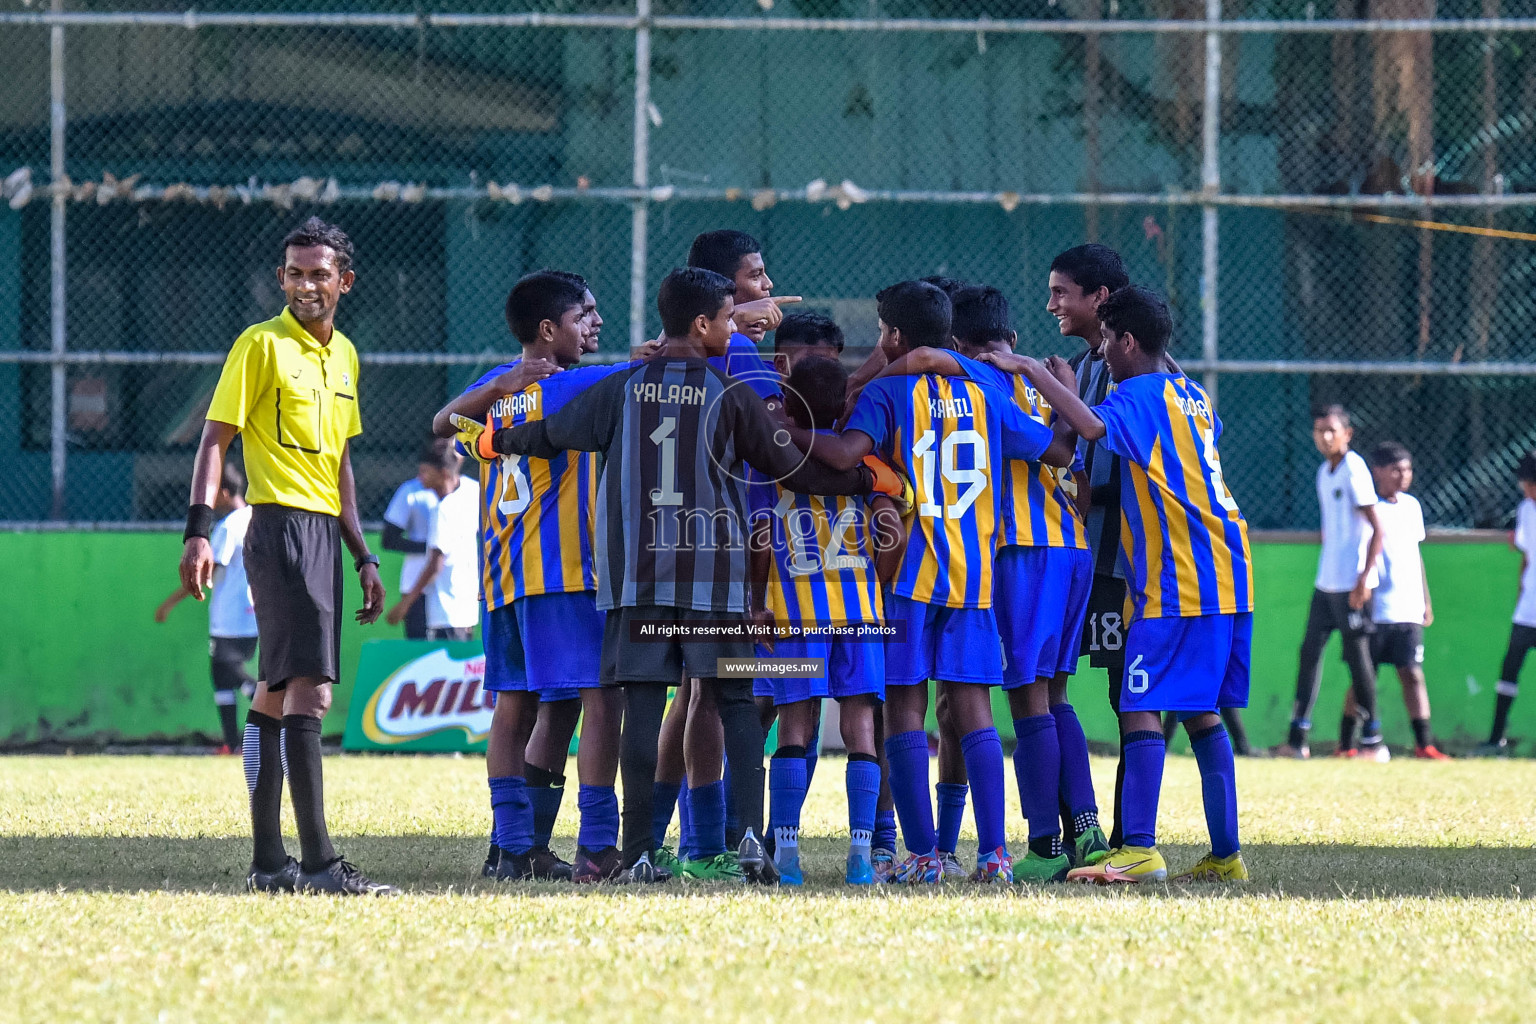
[295, 402]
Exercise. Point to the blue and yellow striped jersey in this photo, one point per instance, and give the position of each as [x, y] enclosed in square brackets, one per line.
[1185, 540]
[1037, 504]
[537, 515]
[823, 566]
[947, 435]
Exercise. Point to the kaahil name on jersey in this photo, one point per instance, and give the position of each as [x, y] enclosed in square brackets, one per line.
[668, 394]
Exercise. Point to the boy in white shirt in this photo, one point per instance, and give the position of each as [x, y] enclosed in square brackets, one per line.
[1522, 637]
[231, 615]
[1346, 575]
[405, 530]
[449, 582]
[1401, 607]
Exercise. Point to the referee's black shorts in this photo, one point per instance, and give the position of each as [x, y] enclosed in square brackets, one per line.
[631, 655]
[293, 562]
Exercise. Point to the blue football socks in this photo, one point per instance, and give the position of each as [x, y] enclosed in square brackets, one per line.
[599, 806]
[1037, 767]
[951, 813]
[863, 783]
[1144, 753]
[732, 820]
[709, 820]
[512, 814]
[687, 839]
[885, 829]
[983, 752]
[545, 797]
[1076, 777]
[1218, 787]
[907, 753]
[786, 795]
[663, 802]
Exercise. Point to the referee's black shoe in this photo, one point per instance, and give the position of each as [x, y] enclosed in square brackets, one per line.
[282, 880]
[343, 879]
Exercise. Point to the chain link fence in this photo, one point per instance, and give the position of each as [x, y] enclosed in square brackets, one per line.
[1337, 197]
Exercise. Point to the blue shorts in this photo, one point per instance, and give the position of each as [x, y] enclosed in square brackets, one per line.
[1041, 597]
[565, 634]
[956, 645]
[762, 687]
[1194, 665]
[854, 668]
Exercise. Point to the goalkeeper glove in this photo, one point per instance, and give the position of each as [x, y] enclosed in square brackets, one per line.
[474, 438]
[890, 483]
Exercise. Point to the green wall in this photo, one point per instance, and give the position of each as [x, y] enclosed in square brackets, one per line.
[81, 659]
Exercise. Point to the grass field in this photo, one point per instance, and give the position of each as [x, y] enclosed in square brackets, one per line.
[1398, 892]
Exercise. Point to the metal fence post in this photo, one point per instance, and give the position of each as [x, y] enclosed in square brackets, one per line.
[1210, 185]
[641, 209]
[57, 265]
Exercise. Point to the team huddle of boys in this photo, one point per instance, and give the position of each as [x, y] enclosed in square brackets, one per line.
[681, 550]
[639, 520]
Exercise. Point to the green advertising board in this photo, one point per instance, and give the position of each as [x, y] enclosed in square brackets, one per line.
[419, 696]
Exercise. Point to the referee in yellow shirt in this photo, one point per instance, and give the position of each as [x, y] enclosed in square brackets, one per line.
[290, 386]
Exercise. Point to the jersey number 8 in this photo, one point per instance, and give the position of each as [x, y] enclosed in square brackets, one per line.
[516, 495]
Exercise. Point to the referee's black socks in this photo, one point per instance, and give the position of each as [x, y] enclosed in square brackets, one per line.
[264, 782]
[301, 740]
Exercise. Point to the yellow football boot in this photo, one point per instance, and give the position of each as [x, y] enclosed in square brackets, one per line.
[1212, 868]
[1127, 864]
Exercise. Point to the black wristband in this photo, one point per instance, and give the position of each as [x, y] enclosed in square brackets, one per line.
[362, 560]
[869, 479]
[199, 522]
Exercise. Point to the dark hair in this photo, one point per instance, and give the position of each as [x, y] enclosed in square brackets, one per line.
[690, 292]
[317, 232]
[1338, 412]
[721, 251]
[980, 316]
[816, 392]
[539, 296]
[948, 285]
[439, 453]
[1526, 468]
[231, 479]
[919, 310]
[1389, 453]
[810, 330]
[1093, 266]
[1141, 313]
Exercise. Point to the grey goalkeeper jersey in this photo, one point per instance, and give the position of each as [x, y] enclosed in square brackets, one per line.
[673, 516]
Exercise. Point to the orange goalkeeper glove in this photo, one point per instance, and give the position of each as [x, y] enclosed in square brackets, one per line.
[890, 483]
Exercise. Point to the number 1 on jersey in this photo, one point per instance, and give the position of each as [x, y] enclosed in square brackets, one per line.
[664, 437]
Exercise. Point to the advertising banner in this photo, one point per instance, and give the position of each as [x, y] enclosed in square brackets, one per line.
[419, 696]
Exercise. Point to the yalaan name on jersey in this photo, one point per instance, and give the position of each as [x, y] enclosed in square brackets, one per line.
[950, 408]
[669, 394]
[524, 403]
